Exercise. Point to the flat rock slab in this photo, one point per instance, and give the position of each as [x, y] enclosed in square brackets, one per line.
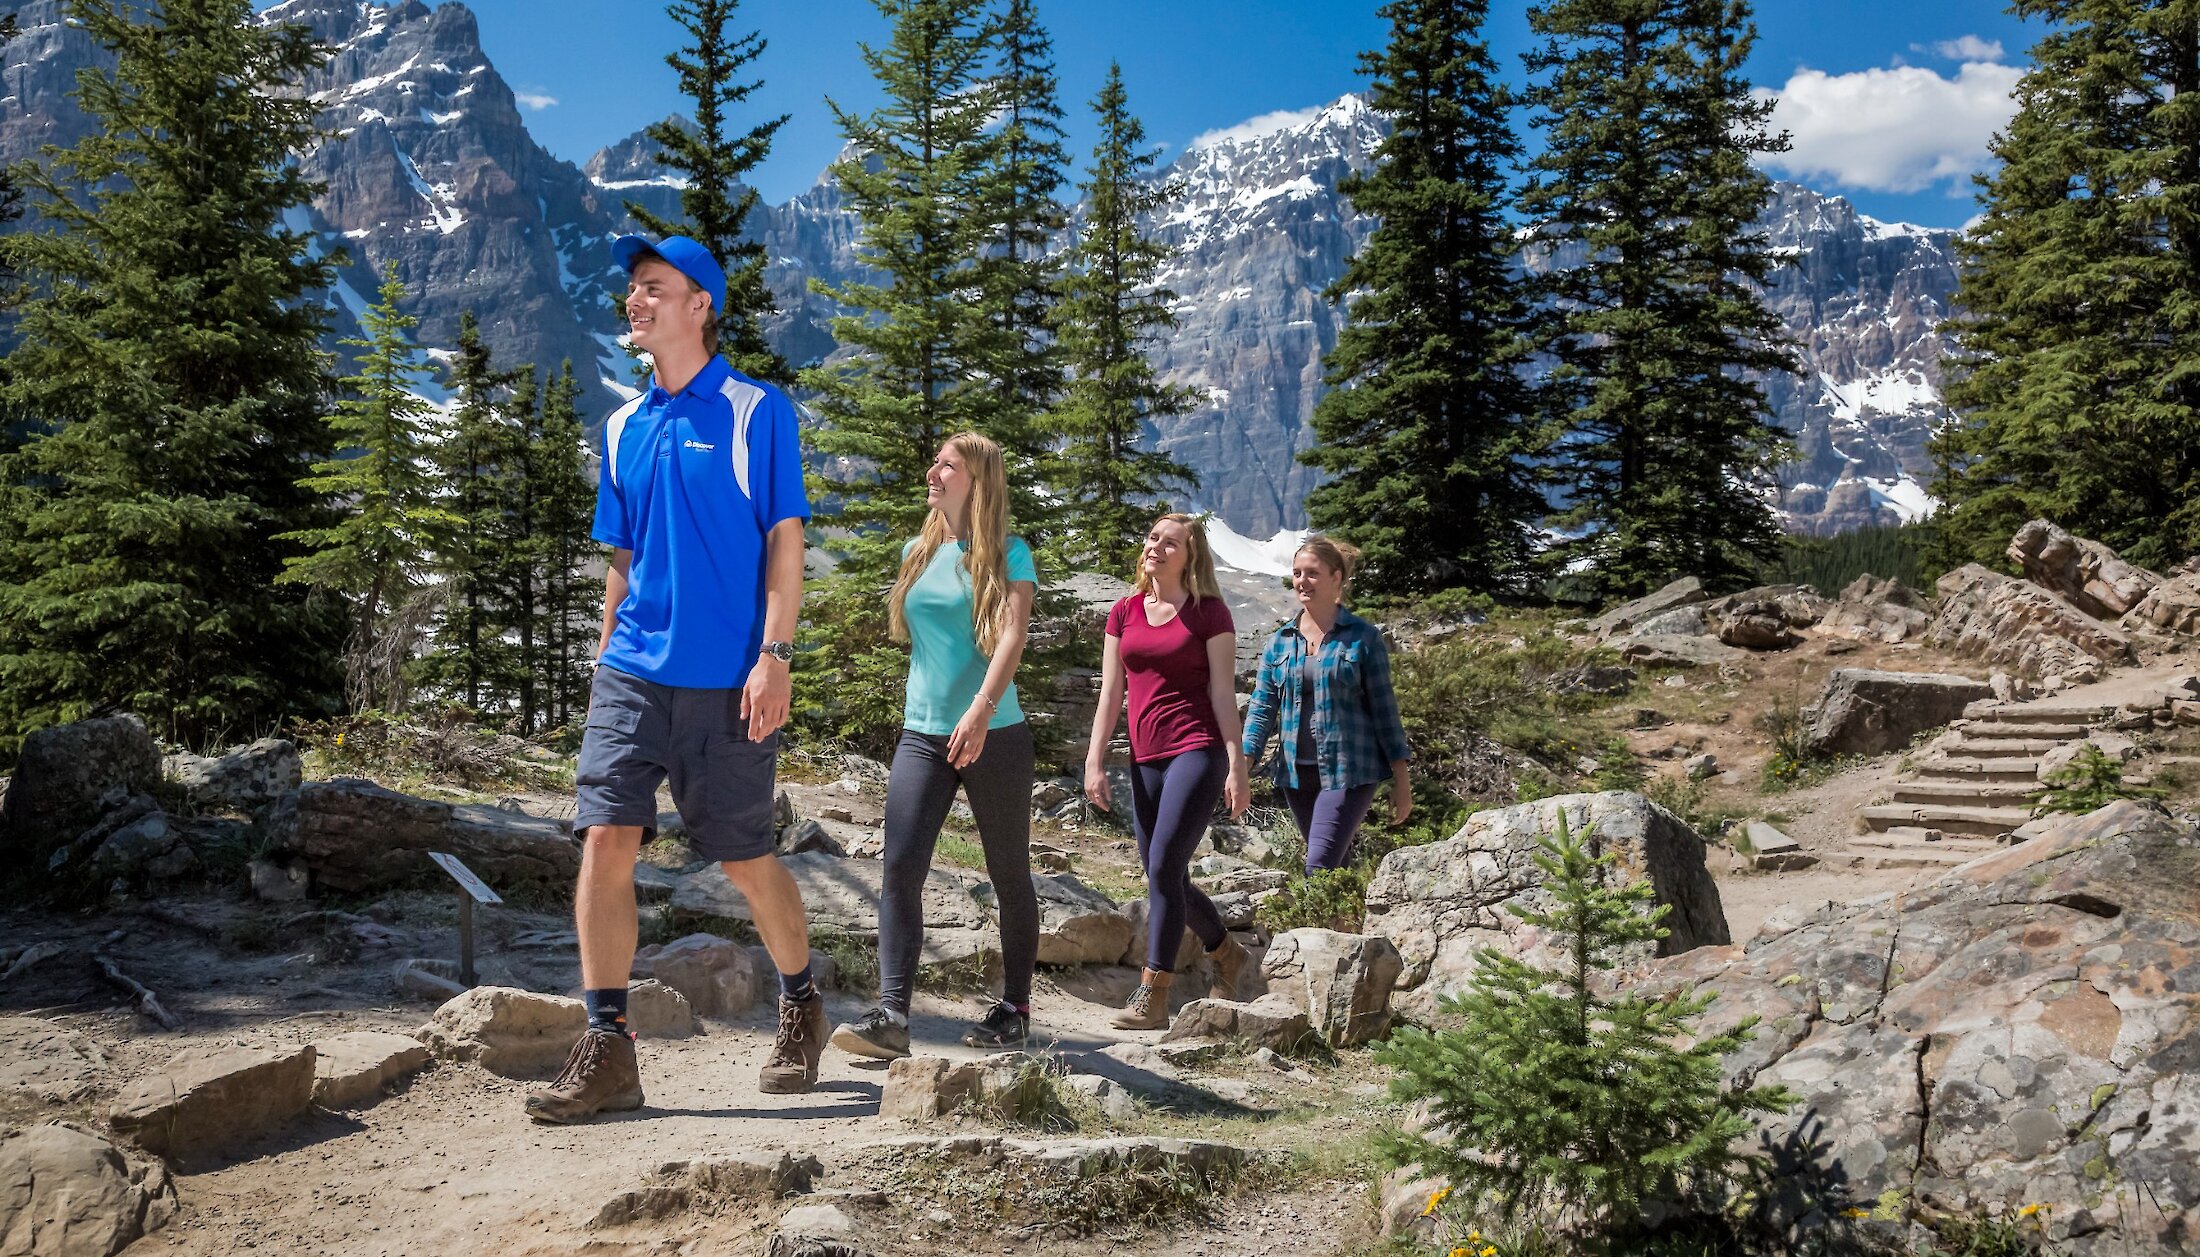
[518, 1034]
[41, 1061]
[350, 1070]
[1272, 1021]
[206, 1098]
[680, 1186]
[68, 1193]
[839, 893]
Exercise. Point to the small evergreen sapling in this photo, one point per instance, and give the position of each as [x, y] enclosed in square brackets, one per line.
[1556, 1100]
[2089, 783]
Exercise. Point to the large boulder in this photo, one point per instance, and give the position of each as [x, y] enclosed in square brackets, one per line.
[354, 836]
[1675, 650]
[67, 1193]
[205, 1099]
[2172, 605]
[841, 895]
[1797, 606]
[1629, 616]
[1343, 981]
[718, 976]
[2094, 578]
[1877, 610]
[1441, 903]
[1863, 712]
[2033, 632]
[67, 777]
[517, 1034]
[246, 779]
[2021, 1032]
[1274, 1020]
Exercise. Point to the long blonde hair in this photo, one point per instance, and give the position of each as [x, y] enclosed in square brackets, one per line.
[985, 550]
[1199, 558]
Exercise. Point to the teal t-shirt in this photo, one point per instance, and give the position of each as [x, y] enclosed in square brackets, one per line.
[945, 668]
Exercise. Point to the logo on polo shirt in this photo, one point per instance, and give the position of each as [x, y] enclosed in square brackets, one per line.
[693, 444]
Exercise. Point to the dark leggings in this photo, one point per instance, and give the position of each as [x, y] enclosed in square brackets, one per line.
[919, 792]
[1330, 819]
[1171, 802]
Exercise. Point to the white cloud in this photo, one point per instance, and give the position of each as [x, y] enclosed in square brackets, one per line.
[1254, 128]
[535, 100]
[1965, 48]
[1902, 129]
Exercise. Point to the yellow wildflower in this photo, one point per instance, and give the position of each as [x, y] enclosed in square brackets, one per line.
[1860, 1213]
[1435, 1200]
[1489, 1251]
[2029, 1210]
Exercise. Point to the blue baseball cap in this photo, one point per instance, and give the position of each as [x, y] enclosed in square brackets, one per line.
[683, 255]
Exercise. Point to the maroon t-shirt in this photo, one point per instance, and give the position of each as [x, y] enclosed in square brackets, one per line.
[1165, 670]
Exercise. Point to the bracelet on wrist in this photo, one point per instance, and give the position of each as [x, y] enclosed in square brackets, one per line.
[990, 705]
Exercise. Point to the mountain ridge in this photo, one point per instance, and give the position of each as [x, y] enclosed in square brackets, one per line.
[433, 168]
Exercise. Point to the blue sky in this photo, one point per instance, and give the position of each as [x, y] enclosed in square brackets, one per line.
[1890, 101]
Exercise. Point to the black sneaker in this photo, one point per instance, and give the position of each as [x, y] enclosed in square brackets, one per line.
[1003, 1027]
[875, 1035]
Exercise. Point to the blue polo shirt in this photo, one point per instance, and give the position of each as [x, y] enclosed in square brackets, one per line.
[692, 483]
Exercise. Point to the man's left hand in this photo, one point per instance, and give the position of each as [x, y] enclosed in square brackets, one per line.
[766, 697]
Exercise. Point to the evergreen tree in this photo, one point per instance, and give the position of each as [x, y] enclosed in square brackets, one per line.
[469, 660]
[516, 559]
[1111, 309]
[2077, 381]
[715, 201]
[1021, 269]
[571, 598]
[1552, 1096]
[1643, 203]
[169, 358]
[379, 553]
[1429, 424]
[923, 339]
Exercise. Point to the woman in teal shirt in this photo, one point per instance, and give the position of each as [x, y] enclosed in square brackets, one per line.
[963, 603]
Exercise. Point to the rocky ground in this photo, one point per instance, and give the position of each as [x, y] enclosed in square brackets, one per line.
[230, 1019]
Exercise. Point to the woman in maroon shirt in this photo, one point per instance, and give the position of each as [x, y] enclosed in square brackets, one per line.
[1173, 647]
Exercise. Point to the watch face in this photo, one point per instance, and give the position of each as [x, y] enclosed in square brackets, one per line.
[782, 651]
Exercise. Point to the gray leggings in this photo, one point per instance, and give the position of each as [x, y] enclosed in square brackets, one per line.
[919, 792]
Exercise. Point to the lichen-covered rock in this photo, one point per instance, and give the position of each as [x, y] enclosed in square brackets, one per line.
[2022, 1031]
[67, 777]
[2033, 632]
[68, 1193]
[1863, 712]
[246, 779]
[2093, 577]
[517, 1034]
[1440, 903]
[354, 835]
[1877, 610]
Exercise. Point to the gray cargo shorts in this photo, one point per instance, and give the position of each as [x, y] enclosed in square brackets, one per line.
[641, 733]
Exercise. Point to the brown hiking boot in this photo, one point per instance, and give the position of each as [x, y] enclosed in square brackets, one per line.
[1229, 960]
[600, 1076]
[1148, 1008]
[797, 1048]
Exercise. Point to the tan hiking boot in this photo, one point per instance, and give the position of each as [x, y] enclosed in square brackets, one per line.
[1148, 1008]
[601, 1076]
[797, 1047]
[1229, 961]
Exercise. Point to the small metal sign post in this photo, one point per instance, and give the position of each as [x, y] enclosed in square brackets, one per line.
[477, 891]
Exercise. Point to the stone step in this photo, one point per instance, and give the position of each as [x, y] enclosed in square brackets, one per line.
[1991, 730]
[1980, 769]
[1990, 822]
[1922, 857]
[2038, 713]
[1972, 793]
[1907, 837]
[2003, 748]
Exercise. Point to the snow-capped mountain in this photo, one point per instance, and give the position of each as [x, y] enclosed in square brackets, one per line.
[433, 169]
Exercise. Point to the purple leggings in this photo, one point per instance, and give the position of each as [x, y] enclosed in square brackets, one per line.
[1171, 802]
[1330, 819]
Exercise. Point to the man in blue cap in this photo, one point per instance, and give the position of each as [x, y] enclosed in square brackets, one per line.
[700, 499]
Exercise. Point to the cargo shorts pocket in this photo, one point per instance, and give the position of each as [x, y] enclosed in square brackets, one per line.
[727, 799]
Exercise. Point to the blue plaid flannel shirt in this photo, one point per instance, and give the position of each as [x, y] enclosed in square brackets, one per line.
[1357, 732]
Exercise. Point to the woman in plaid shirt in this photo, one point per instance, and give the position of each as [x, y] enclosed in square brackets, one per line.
[1324, 692]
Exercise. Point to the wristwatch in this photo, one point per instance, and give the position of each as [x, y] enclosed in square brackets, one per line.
[782, 651]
